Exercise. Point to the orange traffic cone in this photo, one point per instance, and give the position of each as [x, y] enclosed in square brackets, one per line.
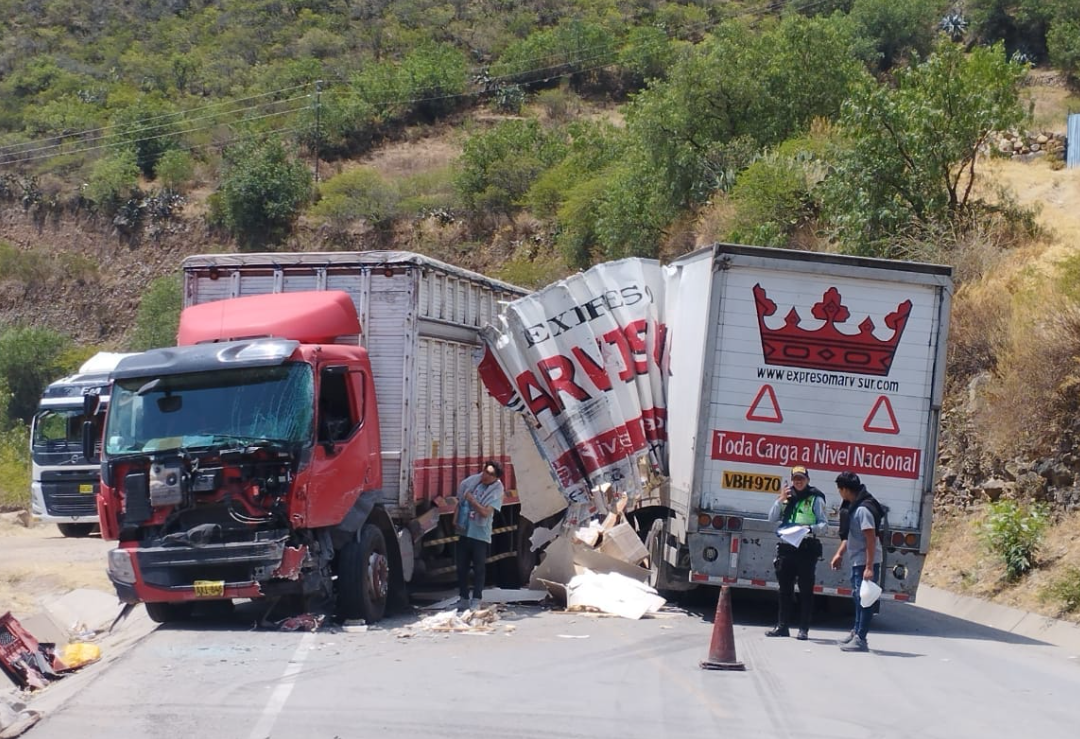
[722, 645]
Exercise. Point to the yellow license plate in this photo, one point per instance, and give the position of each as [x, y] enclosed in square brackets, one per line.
[209, 588]
[86, 487]
[752, 481]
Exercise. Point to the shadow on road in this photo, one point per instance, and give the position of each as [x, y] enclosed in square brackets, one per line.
[758, 608]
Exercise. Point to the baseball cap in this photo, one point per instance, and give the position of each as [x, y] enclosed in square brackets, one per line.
[800, 470]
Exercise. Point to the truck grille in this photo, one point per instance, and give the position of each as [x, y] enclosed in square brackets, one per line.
[61, 492]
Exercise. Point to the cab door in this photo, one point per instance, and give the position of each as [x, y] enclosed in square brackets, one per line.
[346, 456]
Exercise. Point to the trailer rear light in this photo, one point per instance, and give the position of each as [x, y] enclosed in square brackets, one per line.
[905, 539]
[734, 523]
[704, 520]
[718, 522]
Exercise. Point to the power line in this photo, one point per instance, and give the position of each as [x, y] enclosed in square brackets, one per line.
[127, 137]
[149, 138]
[164, 115]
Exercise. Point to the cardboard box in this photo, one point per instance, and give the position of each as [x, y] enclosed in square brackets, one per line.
[622, 542]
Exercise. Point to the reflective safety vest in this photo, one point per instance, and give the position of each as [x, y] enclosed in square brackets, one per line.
[803, 515]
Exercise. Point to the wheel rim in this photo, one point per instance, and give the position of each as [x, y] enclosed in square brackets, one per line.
[378, 576]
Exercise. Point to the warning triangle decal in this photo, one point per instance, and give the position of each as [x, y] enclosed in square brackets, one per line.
[880, 422]
[765, 408]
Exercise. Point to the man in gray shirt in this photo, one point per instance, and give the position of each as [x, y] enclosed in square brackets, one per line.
[862, 548]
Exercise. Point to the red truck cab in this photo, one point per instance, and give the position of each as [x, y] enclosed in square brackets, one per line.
[245, 462]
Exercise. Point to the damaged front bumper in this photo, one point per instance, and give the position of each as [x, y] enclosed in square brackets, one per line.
[246, 569]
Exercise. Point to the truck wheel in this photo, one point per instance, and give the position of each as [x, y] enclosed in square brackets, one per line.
[364, 576]
[76, 530]
[164, 613]
[654, 542]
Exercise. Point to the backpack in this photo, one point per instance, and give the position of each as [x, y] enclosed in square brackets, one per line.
[879, 511]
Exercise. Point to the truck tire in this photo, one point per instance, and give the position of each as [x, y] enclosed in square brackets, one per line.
[164, 613]
[76, 530]
[654, 542]
[363, 584]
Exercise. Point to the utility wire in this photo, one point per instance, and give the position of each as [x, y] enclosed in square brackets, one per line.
[165, 115]
[604, 51]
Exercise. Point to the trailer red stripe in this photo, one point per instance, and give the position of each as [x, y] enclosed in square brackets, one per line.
[435, 476]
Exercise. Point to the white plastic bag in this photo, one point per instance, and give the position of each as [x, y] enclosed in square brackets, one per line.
[869, 592]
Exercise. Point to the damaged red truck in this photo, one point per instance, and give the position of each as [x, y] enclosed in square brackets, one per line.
[294, 441]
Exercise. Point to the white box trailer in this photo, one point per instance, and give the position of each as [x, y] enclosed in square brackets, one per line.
[420, 321]
[832, 362]
[695, 387]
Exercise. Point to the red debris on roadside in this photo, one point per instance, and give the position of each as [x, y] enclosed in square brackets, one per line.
[27, 662]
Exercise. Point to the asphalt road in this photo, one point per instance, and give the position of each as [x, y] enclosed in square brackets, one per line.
[559, 675]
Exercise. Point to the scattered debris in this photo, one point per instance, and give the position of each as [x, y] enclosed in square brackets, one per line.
[15, 718]
[303, 622]
[78, 654]
[595, 566]
[480, 621]
[612, 592]
[32, 665]
[354, 626]
[622, 542]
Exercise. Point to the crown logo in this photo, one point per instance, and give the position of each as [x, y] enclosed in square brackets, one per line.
[826, 348]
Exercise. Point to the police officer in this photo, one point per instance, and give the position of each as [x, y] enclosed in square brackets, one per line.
[799, 504]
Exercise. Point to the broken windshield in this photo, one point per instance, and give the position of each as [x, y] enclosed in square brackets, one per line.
[255, 405]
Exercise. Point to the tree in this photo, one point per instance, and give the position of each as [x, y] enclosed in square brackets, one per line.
[30, 358]
[262, 190]
[912, 149]
[499, 166]
[147, 128]
[894, 29]
[158, 318]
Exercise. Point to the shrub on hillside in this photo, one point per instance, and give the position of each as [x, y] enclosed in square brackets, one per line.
[772, 199]
[262, 191]
[359, 194]
[1013, 532]
[113, 181]
[30, 358]
[499, 166]
[159, 314]
[29, 267]
[175, 169]
[1064, 591]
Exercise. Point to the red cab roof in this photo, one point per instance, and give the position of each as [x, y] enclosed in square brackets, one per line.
[317, 317]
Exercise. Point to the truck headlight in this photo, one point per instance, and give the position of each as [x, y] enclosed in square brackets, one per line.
[120, 567]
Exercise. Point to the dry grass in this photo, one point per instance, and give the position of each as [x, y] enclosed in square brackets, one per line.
[959, 562]
[1050, 104]
[38, 563]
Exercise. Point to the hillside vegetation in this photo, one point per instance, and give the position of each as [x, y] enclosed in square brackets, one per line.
[527, 139]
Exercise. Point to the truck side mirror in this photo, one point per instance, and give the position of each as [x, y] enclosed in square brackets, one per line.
[88, 440]
[90, 403]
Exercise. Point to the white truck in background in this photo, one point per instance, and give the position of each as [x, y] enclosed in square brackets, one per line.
[697, 386]
[63, 483]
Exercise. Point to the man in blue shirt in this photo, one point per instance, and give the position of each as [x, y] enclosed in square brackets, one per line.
[859, 540]
[479, 496]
